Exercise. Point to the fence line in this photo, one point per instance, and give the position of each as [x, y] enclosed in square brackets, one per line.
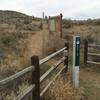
[26, 92]
[36, 79]
[45, 89]
[93, 54]
[87, 53]
[50, 70]
[93, 45]
[92, 62]
[15, 76]
[51, 56]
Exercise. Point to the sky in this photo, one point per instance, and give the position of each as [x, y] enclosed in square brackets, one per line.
[71, 9]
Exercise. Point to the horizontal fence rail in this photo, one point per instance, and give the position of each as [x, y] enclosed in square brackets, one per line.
[17, 75]
[87, 53]
[45, 89]
[93, 54]
[92, 62]
[25, 93]
[93, 45]
[51, 56]
[51, 69]
[35, 70]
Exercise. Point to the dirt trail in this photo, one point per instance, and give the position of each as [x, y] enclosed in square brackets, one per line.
[90, 80]
[35, 44]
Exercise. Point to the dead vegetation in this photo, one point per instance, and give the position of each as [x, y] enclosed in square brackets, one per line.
[22, 37]
[18, 42]
[62, 89]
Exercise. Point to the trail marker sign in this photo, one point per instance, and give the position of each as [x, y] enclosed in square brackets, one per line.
[55, 24]
[52, 25]
[76, 60]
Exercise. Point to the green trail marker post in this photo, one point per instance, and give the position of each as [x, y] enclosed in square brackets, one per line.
[76, 60]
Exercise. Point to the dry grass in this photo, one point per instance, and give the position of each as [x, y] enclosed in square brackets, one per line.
[91, 33]
[90, 80]
[64, 91]
[12, 95]
[18, 55]
[33, 44]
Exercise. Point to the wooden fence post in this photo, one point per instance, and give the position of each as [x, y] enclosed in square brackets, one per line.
[66, 56]
[36, 78]
[85, 51]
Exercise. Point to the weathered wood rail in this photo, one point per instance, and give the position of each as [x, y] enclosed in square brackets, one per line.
[87, 45]
[36, 79]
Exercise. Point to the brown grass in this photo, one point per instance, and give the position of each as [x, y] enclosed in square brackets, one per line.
[62, 89]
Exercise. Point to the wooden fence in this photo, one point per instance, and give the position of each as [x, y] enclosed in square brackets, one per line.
[36, 79]
[87, 53]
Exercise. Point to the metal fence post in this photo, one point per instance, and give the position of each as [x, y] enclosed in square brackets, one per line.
[36, 78]
[85, 51]
[66, 56]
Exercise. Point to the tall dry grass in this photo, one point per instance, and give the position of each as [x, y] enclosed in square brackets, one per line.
[62, 89]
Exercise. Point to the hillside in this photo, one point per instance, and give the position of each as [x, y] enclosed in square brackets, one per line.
[16, 31]
[22, 36]
[10, 17]
[87, 29]
[19, 40]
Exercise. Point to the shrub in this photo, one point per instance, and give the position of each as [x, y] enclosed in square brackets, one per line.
[67, 23]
